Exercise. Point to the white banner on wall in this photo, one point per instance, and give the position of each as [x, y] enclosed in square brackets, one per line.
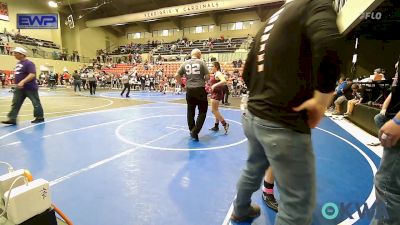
[350, 14]
[4, 11]
[181, 10]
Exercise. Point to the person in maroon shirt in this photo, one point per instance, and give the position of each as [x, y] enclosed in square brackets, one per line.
[26, 87]
[217, 82]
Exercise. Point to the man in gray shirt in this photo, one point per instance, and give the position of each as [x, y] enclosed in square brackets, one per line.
[196, 72]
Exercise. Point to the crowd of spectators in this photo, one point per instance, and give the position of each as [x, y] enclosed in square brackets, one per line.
[371, 90]
[181, 46]
[8, 40]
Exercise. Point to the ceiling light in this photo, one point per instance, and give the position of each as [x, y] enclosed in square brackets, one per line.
[53, 4]
[151, 20]
[240, 8]
[119, 24]
[193, 14]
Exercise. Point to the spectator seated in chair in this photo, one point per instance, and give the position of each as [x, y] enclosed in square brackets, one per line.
[357, 99]
[378, 75]
[346, 95]
[338, 91]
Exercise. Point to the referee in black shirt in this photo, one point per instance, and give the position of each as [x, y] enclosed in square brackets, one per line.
[197, 74]
[290, 73]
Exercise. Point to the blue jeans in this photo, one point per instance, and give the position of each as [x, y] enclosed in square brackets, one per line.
[77, 84]
[387, 184]
[380, 120]
[292, 160]
[19, 98]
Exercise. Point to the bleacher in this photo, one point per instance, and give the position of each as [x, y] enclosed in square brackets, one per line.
[120, 68]
[143, 48]
[169, 68]
[25, 40]
[39, 48]
[219, 47]
[228, 67]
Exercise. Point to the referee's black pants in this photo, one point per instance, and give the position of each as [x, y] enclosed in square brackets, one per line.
[196, 97]
[126, 86]
[92, 87]
[226, 94]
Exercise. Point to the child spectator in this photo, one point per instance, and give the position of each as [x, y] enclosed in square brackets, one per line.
[357, 99]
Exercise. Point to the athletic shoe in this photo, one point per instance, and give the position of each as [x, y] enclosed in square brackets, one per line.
[254, 213]
[214, 128]
[127, 96]
[37, 120]
[374, 144]
[328, 114]
[9, 122]
[346, 114]
[226, 128]
[270, 201]
[194, 136]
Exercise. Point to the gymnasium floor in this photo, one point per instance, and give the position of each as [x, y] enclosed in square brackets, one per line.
[112, 160]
